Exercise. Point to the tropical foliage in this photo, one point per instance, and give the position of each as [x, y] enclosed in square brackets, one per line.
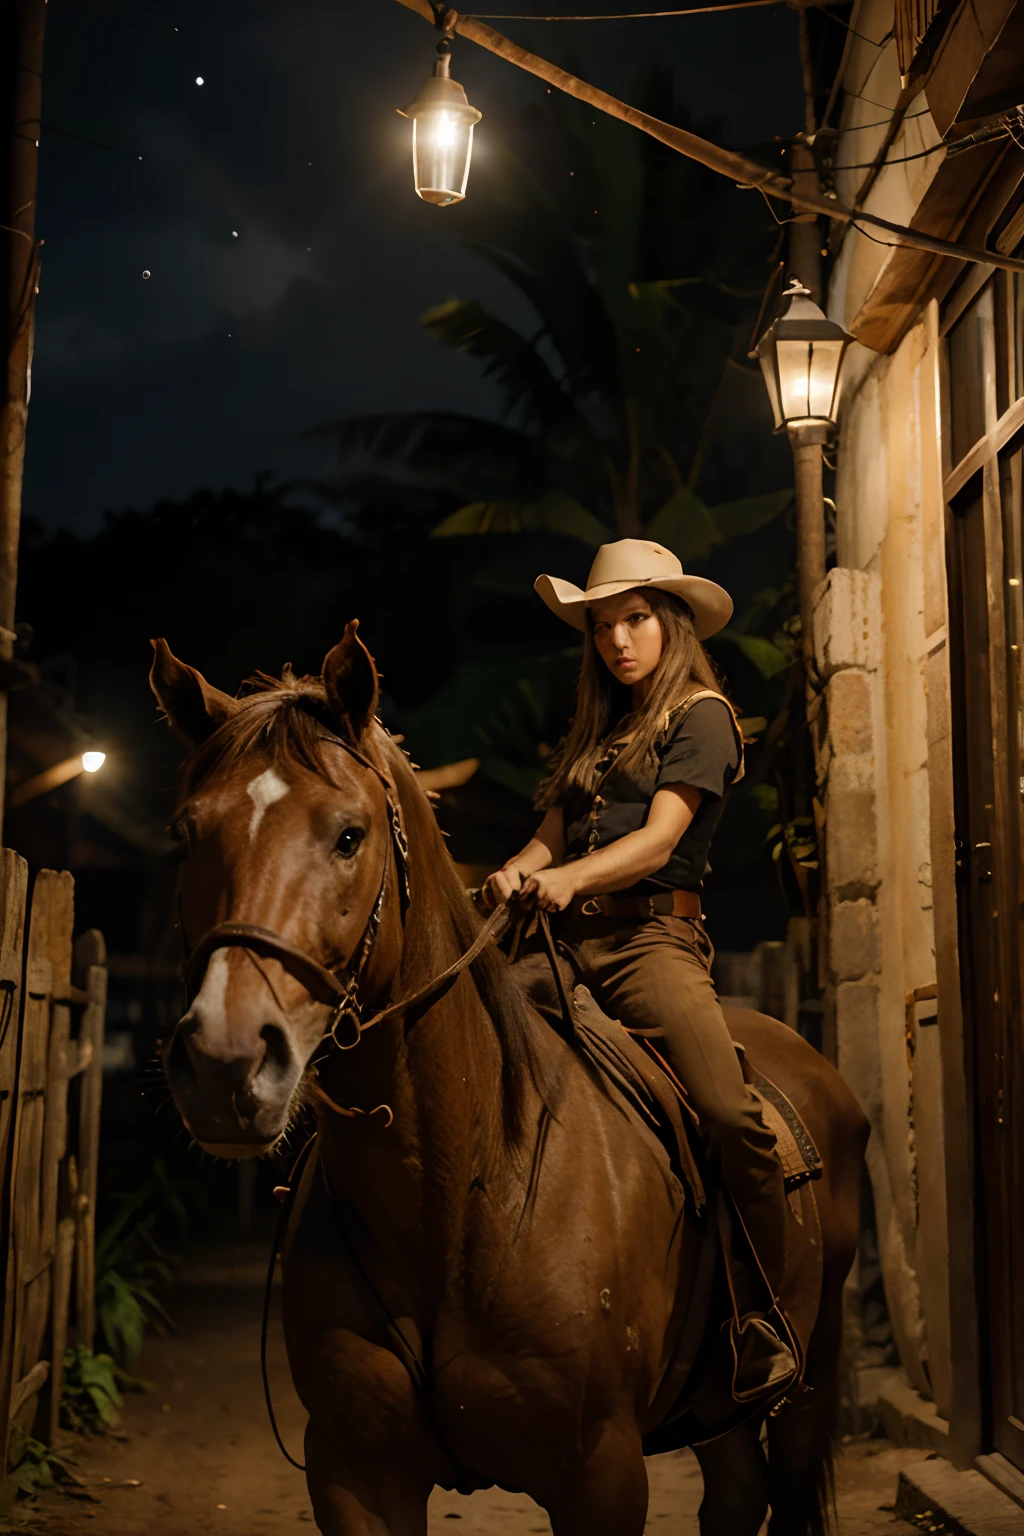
[90, 1396]
[130, 1268]
[35, 1466]
[627, 408]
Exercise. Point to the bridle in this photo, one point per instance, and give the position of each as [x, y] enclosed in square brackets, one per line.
[340, 986]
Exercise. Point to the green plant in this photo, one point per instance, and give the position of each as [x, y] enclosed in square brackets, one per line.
[129, 1265]
[90, 1396]
[37, 1466]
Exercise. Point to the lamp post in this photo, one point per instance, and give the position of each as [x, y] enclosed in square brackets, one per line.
[442, 133]
[801, 355]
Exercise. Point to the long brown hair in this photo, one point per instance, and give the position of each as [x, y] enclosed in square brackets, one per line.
[604, 705]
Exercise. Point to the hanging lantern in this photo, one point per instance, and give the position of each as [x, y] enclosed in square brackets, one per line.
[442, 134]
[801, 355]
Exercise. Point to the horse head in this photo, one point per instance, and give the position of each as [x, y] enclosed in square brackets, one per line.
[283, 820]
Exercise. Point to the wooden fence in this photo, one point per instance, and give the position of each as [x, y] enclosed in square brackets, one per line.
[52, 1006]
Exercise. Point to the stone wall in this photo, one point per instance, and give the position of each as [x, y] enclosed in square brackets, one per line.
[880, 749]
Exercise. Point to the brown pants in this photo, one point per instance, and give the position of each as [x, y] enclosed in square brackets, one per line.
[657, 976]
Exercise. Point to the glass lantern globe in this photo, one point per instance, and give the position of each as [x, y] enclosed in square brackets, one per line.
[801, 355]
[442, 137]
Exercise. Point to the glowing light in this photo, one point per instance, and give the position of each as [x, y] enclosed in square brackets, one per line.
[442, 136]
[200, 80]
[147, 273]
[92, 762]
[801, 355]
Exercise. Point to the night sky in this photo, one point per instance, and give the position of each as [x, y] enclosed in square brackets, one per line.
[209, 371]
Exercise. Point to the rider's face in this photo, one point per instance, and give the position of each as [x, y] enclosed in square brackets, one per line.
[628, 636]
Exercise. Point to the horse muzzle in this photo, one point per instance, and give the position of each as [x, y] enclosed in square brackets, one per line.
[233, 1097]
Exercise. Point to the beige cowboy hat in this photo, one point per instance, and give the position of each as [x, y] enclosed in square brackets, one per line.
[632, 563]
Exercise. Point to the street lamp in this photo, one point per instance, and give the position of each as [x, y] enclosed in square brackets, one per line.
[442, 134]
[51, 778]
[801, 356]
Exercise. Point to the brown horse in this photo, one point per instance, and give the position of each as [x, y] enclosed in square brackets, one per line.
[484, 1251]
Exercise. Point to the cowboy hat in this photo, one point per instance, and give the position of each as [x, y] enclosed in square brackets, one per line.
[632, 563]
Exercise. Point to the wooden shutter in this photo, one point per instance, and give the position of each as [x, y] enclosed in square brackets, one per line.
[911, 22]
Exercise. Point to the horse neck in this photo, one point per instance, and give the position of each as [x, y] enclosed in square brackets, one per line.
[440, 1076]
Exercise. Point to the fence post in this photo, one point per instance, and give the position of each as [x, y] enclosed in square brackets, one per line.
[90, 973]
[39, 1128]
[13, 894]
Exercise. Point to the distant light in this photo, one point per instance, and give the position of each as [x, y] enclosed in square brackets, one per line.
[200, 80]
[234, 234]
[92, 762]
[147, 273]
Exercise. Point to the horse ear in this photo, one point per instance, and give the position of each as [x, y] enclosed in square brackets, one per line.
[350, 679]
[193, 708]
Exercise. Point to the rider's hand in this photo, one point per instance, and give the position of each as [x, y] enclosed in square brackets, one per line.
[500, 887]
[551, 889]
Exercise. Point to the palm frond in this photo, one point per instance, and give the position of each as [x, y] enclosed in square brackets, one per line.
[434, 451]
[555, 514]
[509, 358]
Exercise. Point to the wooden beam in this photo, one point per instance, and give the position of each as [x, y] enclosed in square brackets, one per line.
[739, 169]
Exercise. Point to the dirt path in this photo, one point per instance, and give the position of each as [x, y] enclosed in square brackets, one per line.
[197, 1455]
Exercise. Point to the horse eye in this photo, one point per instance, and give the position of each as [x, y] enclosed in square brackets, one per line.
[349, 841]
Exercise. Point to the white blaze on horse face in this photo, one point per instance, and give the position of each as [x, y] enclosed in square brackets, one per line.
[264, 791]
[209, 1005]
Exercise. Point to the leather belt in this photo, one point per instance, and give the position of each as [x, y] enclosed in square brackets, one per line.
[639, 908]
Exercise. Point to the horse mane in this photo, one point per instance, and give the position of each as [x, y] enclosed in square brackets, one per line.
[436, 889]
[289, 718]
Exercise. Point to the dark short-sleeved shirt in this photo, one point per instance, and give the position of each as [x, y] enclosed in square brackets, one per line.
[702, 749]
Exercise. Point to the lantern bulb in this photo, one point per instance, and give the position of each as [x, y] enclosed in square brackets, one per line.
[92, 762]
[442, 138]
[801, 356]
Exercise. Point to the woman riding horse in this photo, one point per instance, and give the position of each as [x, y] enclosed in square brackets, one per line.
[491, 1271]
[631, 803]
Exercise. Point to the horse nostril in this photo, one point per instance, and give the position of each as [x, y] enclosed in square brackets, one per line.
[278, 1060]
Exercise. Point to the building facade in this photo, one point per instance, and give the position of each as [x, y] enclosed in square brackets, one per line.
[920, 737]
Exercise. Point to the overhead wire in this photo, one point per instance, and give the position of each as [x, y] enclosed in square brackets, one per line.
[872, 42]
[882, 123]
[869, 165]
[692, 10]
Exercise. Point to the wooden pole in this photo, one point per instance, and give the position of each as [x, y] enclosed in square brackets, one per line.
[804, 234]
[22, 29]
[746, 173]
[806, 443]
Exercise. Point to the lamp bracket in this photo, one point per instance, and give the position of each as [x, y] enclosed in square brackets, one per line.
[445, 20]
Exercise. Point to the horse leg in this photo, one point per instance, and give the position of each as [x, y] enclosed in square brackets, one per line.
[802, 1436]
[368, 1501]
[608, 1495]
[735, 1474]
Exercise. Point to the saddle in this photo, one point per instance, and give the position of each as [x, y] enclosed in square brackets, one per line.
[695, 1399]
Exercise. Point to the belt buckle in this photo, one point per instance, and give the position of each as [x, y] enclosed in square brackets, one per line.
[592, 908]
